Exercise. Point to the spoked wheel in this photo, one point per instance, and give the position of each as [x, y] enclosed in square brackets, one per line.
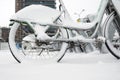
[25, 47]
[112, 35]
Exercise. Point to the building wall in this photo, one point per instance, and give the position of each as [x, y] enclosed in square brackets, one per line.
[19, 4]
[5, 34]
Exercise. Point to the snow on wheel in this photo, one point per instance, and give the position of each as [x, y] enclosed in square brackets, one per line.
[112, 35]
[33, 49]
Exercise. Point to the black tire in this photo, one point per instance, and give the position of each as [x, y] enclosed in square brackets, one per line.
[112, 35]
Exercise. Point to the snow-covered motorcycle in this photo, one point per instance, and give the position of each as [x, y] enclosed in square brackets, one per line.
[40, 33]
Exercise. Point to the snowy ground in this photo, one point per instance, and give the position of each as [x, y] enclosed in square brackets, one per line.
[92, 66]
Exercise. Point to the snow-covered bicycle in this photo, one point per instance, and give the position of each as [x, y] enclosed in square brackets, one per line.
[31, 38]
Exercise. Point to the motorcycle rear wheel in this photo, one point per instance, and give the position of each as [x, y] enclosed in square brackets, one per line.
[35, 51]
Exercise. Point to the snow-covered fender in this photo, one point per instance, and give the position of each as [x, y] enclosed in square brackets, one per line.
[36, 13]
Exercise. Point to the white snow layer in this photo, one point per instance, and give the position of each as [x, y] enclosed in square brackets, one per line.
[37, 13]
[91, 66]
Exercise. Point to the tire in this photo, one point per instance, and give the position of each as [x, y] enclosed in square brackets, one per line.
[112, 35]
[34, 50]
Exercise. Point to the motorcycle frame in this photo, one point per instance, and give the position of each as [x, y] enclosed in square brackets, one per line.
[78, 26]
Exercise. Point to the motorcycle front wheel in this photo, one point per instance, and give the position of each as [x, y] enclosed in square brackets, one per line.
[34, 50]
[112, 35]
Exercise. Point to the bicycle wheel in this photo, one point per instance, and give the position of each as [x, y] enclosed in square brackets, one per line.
[112, 35]
[33, 49]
